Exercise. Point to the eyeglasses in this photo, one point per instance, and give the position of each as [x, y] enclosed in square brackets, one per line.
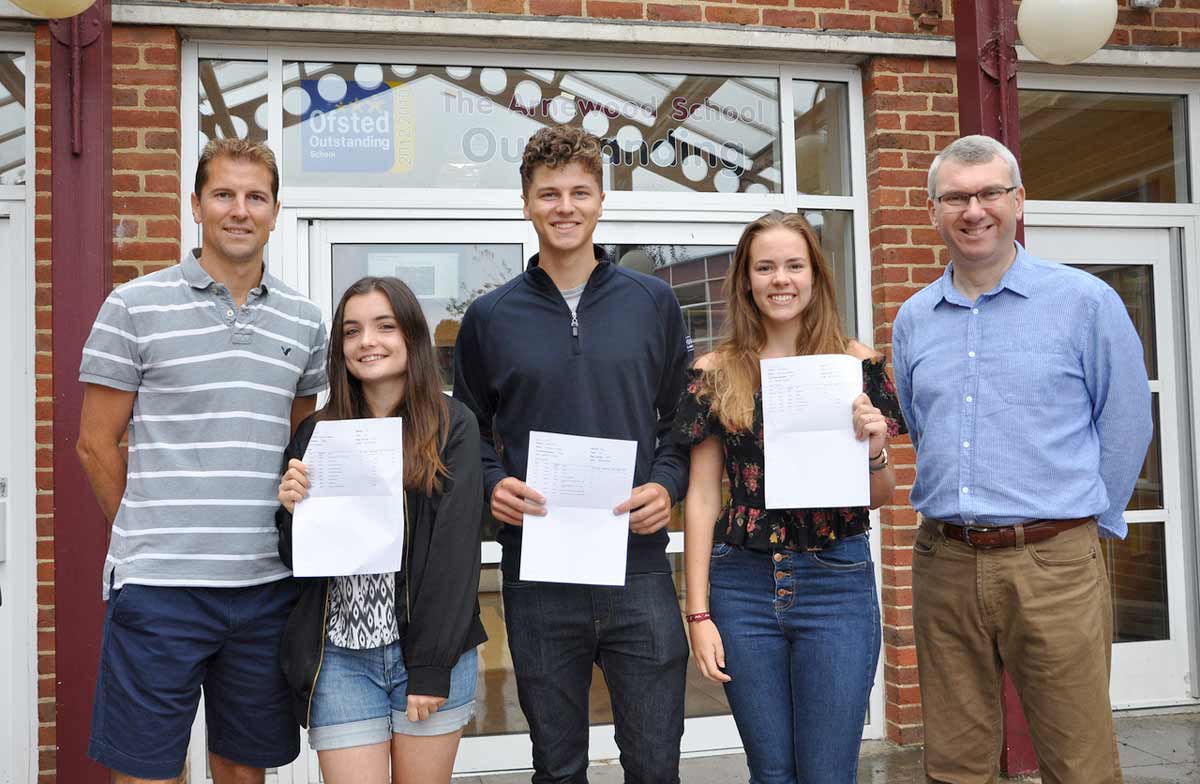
[958, 200]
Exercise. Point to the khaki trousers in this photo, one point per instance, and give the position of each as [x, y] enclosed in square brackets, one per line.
[1043, 613]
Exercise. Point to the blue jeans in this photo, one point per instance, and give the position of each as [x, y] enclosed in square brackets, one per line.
[361, 698]
[801, 635]
[634, 633]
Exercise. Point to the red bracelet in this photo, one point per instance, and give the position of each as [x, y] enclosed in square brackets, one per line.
[698, 617]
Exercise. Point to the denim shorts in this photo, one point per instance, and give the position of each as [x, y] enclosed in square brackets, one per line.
[361, 698]
[161, 646]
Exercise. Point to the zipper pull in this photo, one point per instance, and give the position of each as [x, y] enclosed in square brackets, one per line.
[574, 325]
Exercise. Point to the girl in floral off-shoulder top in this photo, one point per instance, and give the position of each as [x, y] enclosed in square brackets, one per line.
[792, 629]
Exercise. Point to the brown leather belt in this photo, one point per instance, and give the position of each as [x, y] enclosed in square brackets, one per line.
[992, 537]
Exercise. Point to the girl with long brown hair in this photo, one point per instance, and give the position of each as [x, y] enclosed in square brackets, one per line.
[782, 607]
[383, 666]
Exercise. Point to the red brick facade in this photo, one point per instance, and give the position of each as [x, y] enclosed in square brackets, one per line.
[910, 111]
[44, 411]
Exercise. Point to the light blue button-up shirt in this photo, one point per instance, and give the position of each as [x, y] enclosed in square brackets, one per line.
[1030, 403]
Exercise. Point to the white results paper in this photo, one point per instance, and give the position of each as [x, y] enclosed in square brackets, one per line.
[579, 540]
[812, 457]
[352, 521]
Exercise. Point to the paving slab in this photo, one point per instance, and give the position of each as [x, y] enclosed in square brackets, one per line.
[1154, 750]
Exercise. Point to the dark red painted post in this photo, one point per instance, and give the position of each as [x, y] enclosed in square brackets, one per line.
[81, 252]
[984, 35]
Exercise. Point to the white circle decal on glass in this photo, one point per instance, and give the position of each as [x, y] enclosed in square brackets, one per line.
[726, 181]
[528, 94]
[404, 71]
[261, 117]
[663, 154]
[239, 129]
[694, 168]
[562, 110]
[629, 138]
[296, 100]
[458, 72]
[331, 87]
[493, 80]
[368, 75]
[595, 122]
[757, 187]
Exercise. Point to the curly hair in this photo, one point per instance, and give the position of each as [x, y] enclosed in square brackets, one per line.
[558, 146]
[238, 150]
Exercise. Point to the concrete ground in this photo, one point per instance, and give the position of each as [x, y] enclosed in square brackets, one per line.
[1162, 749]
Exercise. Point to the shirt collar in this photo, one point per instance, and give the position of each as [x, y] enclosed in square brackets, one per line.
[1018, 279]
[193, 273]
[197, 278]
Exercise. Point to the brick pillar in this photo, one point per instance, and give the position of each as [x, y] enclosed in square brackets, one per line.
[146, 150]
[44, 413]
[911, 112]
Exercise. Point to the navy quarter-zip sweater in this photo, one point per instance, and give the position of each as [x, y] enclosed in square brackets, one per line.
[521, 363]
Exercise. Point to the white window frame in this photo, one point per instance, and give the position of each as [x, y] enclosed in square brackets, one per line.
[1184, 216]
[288, 253]
[20, 565]
[495, 203]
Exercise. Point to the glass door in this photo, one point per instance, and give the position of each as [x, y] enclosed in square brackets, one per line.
[449, 264]
[1146, 569]
[18, 674]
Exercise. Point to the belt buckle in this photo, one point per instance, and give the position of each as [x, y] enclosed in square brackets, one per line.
[967, 529]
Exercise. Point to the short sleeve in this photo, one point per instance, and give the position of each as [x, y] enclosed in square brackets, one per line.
[694, 419]
[879, 387]
[314, 380]
[111, 356]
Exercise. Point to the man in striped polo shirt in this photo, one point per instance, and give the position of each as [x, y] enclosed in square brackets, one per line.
[210, 365]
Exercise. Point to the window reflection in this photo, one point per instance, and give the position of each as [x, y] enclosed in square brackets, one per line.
[1135, 285]
[821, 118]
[697, 273]
[233, 100]
[446, 278]
[1084, 146]
[1137, 572]
[427, 126]
[12, 118]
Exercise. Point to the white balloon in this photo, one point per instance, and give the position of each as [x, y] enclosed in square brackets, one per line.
[1066, 31]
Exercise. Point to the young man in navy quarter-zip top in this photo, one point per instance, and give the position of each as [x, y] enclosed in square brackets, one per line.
[577, 345]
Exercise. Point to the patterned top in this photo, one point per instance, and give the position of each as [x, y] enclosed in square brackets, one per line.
[362, 611]
[745, 521]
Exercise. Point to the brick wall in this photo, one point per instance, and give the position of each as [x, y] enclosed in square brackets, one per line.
[1175, 23]
[44, 410]
[911, 113]
[145, 238]
[146, 148]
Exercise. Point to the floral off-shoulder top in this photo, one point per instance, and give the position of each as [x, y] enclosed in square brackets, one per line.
[745, 521]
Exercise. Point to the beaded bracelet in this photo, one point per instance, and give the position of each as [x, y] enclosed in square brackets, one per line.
[698, 617]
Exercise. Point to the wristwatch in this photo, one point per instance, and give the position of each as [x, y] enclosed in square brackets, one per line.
[879, 462]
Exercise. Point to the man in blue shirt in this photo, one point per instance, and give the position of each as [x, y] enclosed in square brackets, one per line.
[1026, 396]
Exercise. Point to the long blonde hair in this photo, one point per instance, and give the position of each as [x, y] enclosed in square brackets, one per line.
[733, 376]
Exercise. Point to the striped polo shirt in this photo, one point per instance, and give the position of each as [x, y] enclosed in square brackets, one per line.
[214, 385]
